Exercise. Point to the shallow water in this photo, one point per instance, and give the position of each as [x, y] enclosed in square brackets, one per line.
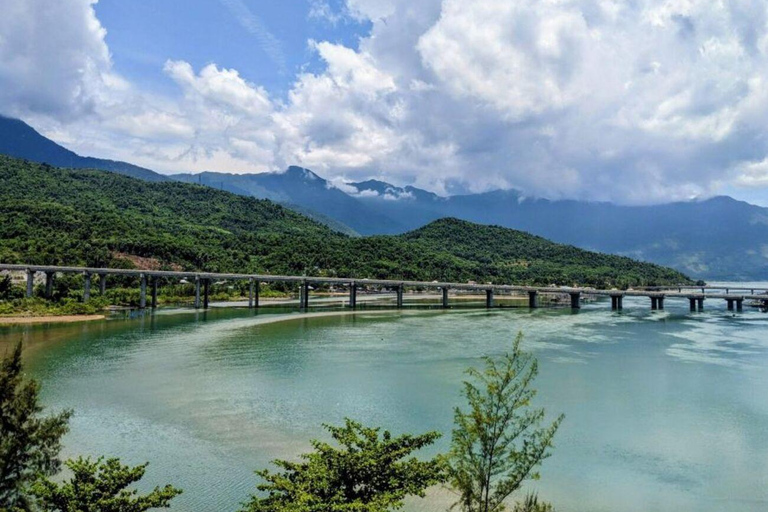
[665, 411]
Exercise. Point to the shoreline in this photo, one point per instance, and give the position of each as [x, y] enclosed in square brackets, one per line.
[49, 319]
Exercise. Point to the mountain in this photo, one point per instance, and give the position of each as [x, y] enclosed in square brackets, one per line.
[20, 140]
[96, 218]
[304, 189]
[527, 255]
[718, 238]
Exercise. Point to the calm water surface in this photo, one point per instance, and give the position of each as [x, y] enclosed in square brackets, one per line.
[665, 411]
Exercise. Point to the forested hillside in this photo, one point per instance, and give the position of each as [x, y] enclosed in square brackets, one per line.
[85, 217]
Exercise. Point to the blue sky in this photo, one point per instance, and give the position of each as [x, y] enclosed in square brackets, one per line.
[632, 102]
[143, 34]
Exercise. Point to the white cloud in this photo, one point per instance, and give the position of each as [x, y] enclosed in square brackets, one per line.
[601, 99]
[752, 174]
[53, 59]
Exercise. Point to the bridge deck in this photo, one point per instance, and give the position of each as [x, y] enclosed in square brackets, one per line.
[683, 292]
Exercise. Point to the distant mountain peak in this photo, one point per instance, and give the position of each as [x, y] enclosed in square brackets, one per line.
[302, 173]
[18, 139]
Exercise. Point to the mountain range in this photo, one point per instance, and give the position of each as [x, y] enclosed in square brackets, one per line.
[718, 238]
[97, 218]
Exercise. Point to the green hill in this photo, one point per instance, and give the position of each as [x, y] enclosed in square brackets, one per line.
[50, 215]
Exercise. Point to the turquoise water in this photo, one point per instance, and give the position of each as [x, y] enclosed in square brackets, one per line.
[665, 411]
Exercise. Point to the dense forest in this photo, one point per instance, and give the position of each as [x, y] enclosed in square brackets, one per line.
[50, 215]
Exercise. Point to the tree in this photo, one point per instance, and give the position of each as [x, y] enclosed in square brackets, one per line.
[29, 442]
[531, 503]
[100, 486]
[498, 442]
[368, 473]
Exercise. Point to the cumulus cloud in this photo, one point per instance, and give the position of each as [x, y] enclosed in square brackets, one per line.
[599, 99]
[60, 71]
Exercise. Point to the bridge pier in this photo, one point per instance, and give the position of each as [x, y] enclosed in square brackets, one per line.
[729, 303]
[445, 297]
[197, 292]
[253, 293]
[692, 300]
[30, 283]
[488, 299]
[304, 296]
[739, 305]
[154, 292]
[87, 287]
[660, 302]
[617, 302]
[700, 304]
[400, 289]
[353, 296]
[206, 292]
[575, 300]
[654, 304]
[143, 291]
[49, 284]
[102, 284]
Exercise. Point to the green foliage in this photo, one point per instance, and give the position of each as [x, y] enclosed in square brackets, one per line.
[531, 503]
[498, 442]
[29, 442]
[8, 291]
[40, 307]
[100, 486]
[510, 256]
[370, 472]
[101, 219]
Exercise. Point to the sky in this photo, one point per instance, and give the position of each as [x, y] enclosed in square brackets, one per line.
[636, 102]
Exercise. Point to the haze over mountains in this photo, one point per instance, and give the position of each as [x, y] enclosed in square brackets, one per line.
[719, 238]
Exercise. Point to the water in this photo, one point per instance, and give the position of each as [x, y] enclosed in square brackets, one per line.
[665, 411]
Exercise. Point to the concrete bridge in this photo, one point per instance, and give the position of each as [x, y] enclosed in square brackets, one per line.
[148, 279]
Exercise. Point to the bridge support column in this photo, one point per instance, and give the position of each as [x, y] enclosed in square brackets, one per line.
[533, 299]
[197, 292]
[353, 295]
[617, 302]
[206, 292]
[576, 300]
[729, 302]
[692, 300]
[30, 283]
[251, 290]
[700, 304]
[143, 291]
[49, 284]
[400, 290]
[445, 297]
[102, 284]
[154, 292]
[660, 302]
[488, 299]
[304, 295]
[739, 305]
[87, 287]
[654, 304]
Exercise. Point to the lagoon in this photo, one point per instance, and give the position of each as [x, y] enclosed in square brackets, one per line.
[665, 411]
